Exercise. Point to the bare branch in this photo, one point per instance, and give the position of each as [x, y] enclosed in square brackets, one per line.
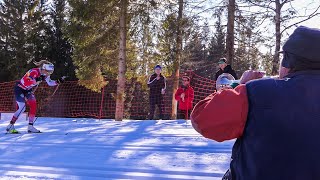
[263, 6]
[315, 13]
[285, 2]
[292, 7]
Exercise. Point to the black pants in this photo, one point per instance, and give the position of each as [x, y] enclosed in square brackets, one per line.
[182, 114]
[156, 100]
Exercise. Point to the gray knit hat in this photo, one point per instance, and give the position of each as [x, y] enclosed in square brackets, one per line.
[302, 49]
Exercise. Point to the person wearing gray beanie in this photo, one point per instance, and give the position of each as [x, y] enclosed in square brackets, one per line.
[276, 121]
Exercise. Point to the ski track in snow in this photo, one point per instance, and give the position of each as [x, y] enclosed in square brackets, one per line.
[80, 149]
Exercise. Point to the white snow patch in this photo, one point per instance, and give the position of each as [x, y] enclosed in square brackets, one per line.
[107, 149]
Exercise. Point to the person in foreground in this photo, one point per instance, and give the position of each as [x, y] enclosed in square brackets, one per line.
[24, 92]
[276, 121]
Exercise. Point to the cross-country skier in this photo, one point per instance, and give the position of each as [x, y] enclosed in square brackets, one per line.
[24, 92]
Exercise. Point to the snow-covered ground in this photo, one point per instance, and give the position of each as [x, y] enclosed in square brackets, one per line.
[91, 149]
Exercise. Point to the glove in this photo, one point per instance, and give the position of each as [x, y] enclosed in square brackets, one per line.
[40, 78]
[61, 79]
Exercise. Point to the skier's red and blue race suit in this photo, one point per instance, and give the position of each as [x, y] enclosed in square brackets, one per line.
[23, 92]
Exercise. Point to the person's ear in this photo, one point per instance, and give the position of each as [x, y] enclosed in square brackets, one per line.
[283, 71]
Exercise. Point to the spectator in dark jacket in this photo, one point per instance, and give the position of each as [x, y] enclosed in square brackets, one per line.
[157, 85]
[225, 68]
[184, 95]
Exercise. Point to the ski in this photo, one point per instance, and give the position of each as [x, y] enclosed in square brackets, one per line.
[13, 131]
[24, 133]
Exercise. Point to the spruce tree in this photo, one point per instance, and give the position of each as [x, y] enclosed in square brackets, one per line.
[94, 33]
[13, 37]
[60, 48]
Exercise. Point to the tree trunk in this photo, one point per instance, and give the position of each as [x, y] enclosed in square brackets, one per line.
[230, 31]
[177, 61]
[122, 63]
[275, 63]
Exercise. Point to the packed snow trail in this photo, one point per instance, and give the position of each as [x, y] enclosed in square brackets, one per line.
[91, 149]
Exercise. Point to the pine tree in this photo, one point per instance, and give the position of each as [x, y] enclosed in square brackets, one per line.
[94, 33]
[280, 13]
[143, 28]
[166, 42]
[194, 48]
[13, 34]
[247, 54]
[178, 57]
[60, 51]
[122, 66]
[217, 46]
[230, 31]
[38, 30]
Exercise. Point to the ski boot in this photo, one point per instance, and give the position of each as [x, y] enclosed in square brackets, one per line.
[11, 130]
[32, 129]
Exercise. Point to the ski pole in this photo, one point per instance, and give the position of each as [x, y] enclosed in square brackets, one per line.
[49, 98]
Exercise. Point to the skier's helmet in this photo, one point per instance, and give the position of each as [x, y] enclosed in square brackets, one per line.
[49, 67]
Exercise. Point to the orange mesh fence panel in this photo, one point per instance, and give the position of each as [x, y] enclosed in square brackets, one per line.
[7, 102]
[202, 87]
[69, 99]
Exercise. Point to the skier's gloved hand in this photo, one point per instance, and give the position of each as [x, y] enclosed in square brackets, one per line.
[61, 79]
[40, 78]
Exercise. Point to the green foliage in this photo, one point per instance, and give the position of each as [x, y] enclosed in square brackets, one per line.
[31, 31]
[195, 48]
[13, 35]
[83, 43]
[204, 57]
[60, 49]
[247, 54]
[217, 47]
[142, 32]
[38, 30]
[94, 33]
[267, 62]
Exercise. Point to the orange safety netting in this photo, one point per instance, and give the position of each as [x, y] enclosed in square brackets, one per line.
[73, 100]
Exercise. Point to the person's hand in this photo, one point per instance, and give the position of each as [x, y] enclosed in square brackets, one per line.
[61, 79]
[163, 91]
[182, 95]
[250, 75]
[222, 87]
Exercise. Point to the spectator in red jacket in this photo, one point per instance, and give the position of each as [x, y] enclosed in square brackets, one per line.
[184, 95]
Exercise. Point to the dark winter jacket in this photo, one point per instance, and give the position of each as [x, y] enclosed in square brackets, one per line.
[156, 85]
[188, 98]
[276, 123]
[227, 69]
